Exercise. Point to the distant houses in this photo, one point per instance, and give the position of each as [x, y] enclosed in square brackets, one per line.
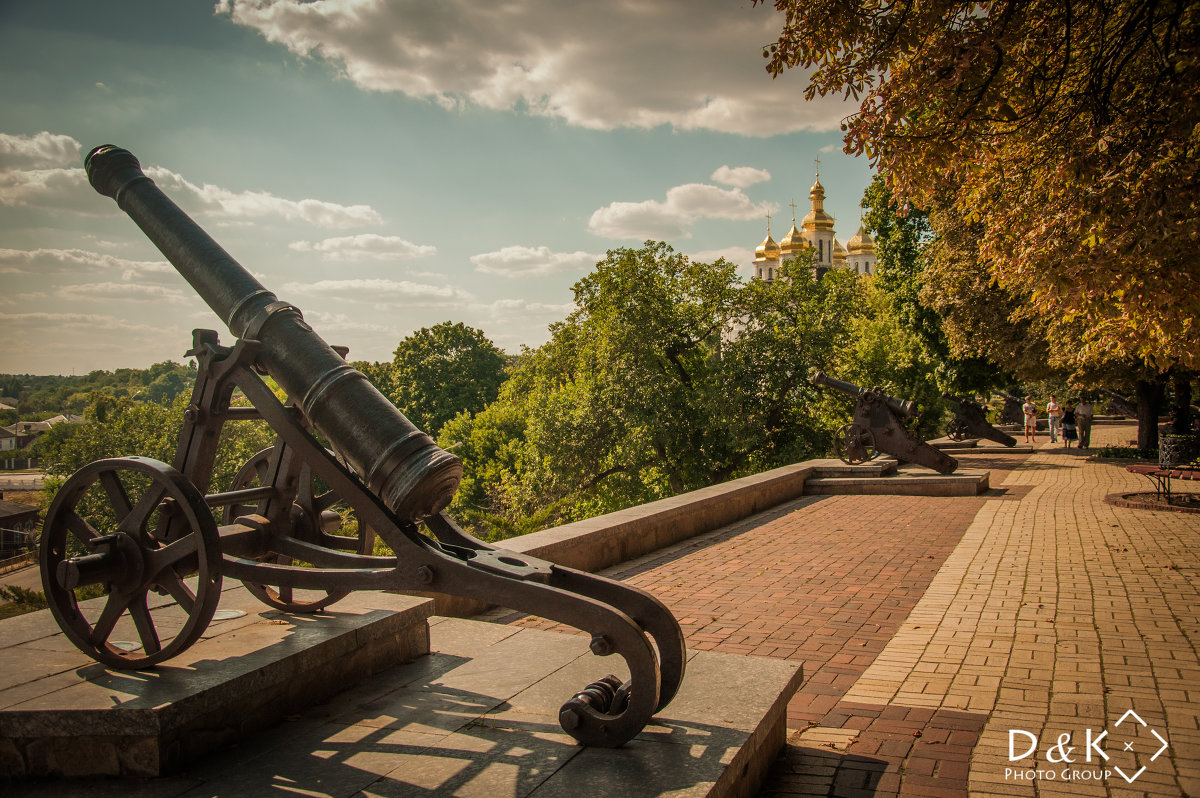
[22, 433]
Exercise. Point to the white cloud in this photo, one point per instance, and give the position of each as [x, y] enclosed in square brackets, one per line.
[742, 256]
[53, 189]
[38, 151]
[219, 201]
[685, 205]
[522, 307]
[134, 292]
[518, 261]
[740, 176]
[49, 261]
[367, 246]
[691, 64]
[377, 290]
[67, 189]
[340, 322]
[85, 322]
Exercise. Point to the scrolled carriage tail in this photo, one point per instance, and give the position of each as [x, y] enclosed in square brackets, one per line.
[163, 539]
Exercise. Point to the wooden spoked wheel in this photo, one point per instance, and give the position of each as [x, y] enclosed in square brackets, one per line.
[314, 515]
[138, 532]
[855, 444]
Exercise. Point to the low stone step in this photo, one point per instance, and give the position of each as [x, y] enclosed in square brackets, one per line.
[831, 467]
[63, 714]
[978, 446]
[960, 483]
[478, 715]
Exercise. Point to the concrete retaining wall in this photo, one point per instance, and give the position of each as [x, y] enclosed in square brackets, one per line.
[605, 540]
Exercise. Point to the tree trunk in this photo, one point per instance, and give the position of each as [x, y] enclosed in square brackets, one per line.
[1181, 415]
[1149, 405]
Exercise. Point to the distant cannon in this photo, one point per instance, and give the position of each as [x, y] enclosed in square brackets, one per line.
[298, 523]
[1118, 405]
[878, 426]
[970, 421]
[1012, 412]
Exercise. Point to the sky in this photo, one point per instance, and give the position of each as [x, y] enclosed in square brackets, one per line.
[387, 165]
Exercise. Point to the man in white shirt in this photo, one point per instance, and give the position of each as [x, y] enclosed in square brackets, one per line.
[1054, 414]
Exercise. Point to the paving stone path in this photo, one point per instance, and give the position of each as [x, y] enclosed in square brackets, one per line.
[932, 628]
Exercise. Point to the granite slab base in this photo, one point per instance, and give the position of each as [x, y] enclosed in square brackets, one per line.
[905, 482]
[479, 717]
[64, 715]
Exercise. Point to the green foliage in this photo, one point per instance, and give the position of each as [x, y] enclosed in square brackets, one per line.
[1068, 131]
[27, 600]
[885, 353]
[1128, 453]
[15, 600]
[670, 375]
[145, 429]
[905, 240]
[48, 395]
[441, 371]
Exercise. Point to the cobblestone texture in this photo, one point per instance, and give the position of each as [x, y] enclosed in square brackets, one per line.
[931, 627]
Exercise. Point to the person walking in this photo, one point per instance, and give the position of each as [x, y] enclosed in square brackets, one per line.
[1068, 424]
[1054, 418]
[1030, 411]
[1083, 422]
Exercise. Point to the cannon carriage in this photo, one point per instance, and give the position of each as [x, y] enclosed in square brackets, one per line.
[878, 427]
[970, 421]
[298, 523]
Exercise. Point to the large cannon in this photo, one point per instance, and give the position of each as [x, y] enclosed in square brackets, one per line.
[298, 523]
[970, 421]
[878, 426]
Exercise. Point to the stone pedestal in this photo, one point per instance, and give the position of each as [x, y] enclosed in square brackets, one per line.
[62, 714]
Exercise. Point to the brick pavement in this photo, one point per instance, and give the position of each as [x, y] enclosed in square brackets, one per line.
[930, 627]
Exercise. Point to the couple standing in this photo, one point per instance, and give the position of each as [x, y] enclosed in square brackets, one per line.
[1074, 422]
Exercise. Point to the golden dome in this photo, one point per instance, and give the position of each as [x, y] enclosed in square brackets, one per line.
[793, 242]
[861, 243]
[768, 249]
[817, 219]
[839, 253]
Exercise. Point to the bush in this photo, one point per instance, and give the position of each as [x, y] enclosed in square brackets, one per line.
[1128, 453]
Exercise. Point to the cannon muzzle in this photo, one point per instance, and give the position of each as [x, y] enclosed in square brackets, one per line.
[398, 462]
[905, 407]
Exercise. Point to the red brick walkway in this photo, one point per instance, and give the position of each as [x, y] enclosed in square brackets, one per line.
[828, 580]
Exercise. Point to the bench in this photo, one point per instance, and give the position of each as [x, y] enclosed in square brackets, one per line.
[1161, 477]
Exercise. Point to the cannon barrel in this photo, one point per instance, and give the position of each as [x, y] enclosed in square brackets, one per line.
[398, 462]
[905, 407]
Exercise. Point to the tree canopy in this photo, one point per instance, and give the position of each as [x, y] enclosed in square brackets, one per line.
[441, 371]
[671, 375]
[1066, 132]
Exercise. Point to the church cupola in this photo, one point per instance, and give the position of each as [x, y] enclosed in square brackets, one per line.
[766, 257]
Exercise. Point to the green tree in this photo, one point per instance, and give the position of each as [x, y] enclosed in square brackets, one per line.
[905, 245]
[1069, 131]
[145, 429]
[669, 376]
[441, 371]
